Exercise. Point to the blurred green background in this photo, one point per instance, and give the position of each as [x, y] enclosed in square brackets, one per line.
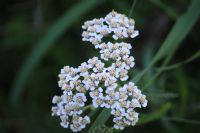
[39, 37]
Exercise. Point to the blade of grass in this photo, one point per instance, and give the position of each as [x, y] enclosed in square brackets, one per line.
[46, 43]
[177, 65]
[145, 118]
[132, 7]
[182, 85]
[179, 31]
[100, 120]
[176, 35]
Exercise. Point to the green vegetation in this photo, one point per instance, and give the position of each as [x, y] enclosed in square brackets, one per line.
[38, 38]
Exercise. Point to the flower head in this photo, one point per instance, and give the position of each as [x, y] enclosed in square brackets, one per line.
[100, 81]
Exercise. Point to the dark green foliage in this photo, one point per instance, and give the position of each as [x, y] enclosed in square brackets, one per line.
[38, 38]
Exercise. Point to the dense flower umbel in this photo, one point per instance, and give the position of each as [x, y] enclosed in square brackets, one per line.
[97, 80]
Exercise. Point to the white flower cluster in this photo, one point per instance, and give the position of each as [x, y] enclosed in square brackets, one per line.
[117, 25]
[97, 80]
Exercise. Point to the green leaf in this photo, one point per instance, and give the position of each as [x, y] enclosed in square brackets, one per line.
[179, 31]
[45, 44]
[100, 120]
[177, 65]
[145, 118]
[183, 86]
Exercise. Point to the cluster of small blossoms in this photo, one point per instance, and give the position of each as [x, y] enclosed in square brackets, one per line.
[128, 98]
[99, 81]
[69, 105]
[117, 25]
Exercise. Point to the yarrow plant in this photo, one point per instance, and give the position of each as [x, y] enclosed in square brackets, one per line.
[98, 81]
